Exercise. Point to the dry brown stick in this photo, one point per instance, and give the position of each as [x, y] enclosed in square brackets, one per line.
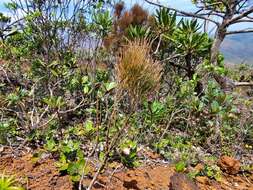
[169, 123]
[106, 157]
[113, 172]
[238, 84]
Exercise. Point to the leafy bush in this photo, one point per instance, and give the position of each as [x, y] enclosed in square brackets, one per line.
[8, 131]
[129, 153]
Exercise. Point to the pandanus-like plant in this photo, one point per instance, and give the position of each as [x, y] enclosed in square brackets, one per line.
[9, 183]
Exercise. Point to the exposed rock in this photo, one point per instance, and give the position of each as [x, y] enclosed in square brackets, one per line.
[229, 165]
[181, 182]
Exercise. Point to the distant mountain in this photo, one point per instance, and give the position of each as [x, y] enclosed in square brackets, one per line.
[238, 48]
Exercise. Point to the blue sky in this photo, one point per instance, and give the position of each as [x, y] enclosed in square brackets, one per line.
[185, 5]
[182, 4]
[2, 5]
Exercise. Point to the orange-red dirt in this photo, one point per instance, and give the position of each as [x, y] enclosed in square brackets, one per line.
[43, 175]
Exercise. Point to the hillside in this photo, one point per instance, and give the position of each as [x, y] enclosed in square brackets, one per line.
[238, 49]
[102, 96]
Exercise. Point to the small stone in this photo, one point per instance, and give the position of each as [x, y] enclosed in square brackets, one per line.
[1, 149]
[229, 165]
[181, 182]
[126, 151]
[202, 179]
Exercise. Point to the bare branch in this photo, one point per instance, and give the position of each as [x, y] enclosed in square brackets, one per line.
[249, 30]
[185, 14]
[241, 16]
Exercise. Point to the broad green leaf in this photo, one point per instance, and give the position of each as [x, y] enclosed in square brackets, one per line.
[111, 85]
[180, 166]
[215, 107]
[89, 125]
[86, 89]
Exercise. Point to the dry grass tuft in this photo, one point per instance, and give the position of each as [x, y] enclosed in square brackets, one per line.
[137, 72]
[135, 16]
[125, 21]
[140, 15]
[118, 8]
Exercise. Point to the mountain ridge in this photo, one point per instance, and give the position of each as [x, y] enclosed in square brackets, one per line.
[238, 49]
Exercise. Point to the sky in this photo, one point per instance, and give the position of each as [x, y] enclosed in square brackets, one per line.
[2, 4]
[182, 4]
[185, 5]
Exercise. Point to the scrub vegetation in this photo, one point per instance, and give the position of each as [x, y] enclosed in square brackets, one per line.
[94, 83]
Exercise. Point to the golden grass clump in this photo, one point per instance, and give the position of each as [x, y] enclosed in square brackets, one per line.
[137, 72]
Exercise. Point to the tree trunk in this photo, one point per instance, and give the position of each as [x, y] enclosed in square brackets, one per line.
[225, 83]
[219, 37]
[190, 71]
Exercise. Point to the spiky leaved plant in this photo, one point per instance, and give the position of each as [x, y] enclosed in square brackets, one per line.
[8, 183]
[136, 71]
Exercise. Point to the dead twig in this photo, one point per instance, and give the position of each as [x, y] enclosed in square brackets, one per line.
[106, 157]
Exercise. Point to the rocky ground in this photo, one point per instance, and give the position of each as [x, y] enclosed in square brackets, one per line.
[42, 174]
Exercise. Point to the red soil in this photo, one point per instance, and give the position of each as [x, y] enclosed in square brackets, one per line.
[43, 175]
